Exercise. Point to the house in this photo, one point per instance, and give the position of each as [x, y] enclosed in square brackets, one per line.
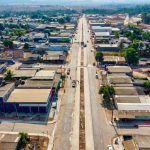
[59, 39]
[102, 35]
[102, 29]
[54, 56]
[3, 67]
[120, 70]
[132, 107]
[58, 47]
[39, 37]
[101, 24]
[114, 60]
[107, 47]
[24, 74]
[5, 91]
[28, 100]
[118, 80]
[16, 44]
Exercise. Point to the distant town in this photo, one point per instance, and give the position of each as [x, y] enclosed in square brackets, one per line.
[74, 78]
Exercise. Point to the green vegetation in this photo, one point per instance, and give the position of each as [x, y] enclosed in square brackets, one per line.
[38, 13]
[117, 34]
[8, 43]
[138, 9]
[146, 35]
[108, 93]
[133, 33]
[8, 76]
[147, 85]
[121, 45]
[132, 56]
[26, 46]
[99, 57]
[23, 139]
[146, 18]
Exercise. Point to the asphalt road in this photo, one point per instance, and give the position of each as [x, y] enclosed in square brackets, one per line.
[64, 127]
[102, 131]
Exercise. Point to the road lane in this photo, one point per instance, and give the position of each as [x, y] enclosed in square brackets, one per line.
[65, 119]
[102, 131]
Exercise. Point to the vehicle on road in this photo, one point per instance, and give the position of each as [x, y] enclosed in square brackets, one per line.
[85, 45]
[109, 147]
[96, 76]
[73, 83]
[68, 71]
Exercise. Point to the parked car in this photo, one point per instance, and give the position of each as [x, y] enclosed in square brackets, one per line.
[109, 147]
[96, 76]
[85, 45]
[73, 83]
[68, 71]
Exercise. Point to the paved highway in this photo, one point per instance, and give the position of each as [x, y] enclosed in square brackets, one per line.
[97, 129]
[65, 119]
[102, 131]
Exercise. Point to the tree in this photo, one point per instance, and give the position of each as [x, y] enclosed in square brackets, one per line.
[68, 19]
[2, 27]
[26, 46]
[99, 57]
[8, 43]
[146, 18]
[132, 56]
[8, 75]
[121, 45]
[61, 20]
[117, 34]
[147, 85]
[107, 91]
[23, 139]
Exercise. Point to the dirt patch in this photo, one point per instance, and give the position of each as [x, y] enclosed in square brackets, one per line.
[37, 142]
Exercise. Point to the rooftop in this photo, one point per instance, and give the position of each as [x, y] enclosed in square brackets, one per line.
[24, 73]
[125, 91]
[46, 84]
[133, 103]
[127, 99]
[102, 33]
[48, 74]
[29, 96]
[107, 45]
[114, 58]
[99, 27]
[4, 89]
[119, 69]
[142, 141]
[119, 79]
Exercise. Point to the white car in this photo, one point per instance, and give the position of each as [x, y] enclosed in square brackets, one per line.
[109, 147]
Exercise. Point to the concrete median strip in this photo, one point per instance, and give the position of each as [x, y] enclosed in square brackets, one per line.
[88, 115]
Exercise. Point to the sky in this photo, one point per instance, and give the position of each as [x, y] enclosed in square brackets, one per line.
[69, 1]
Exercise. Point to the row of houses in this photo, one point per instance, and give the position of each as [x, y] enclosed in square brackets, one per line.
[32, 91]
[130, 99]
